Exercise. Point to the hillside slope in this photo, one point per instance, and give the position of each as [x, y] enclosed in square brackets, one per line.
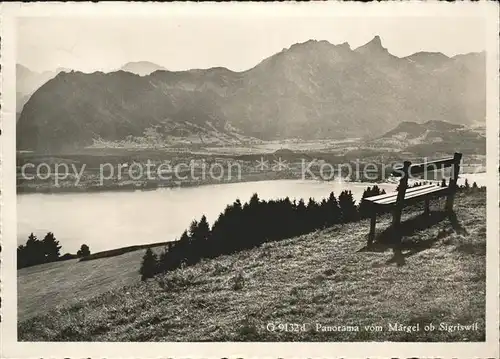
[312, 90]
[433, 137]
[326, 277]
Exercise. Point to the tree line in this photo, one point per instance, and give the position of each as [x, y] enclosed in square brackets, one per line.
[244, 226]
[47, 250]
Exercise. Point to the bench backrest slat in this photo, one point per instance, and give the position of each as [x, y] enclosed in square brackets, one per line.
[424, 167]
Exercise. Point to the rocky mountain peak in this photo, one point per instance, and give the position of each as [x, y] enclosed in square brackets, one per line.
[313, 90]
[372, 47]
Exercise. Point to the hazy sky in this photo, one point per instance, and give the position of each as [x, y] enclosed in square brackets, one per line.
[181, 43]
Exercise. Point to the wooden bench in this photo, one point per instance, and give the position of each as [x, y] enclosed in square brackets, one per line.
[403, 196]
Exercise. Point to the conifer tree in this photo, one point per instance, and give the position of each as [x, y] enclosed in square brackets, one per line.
[301, 212]
[193, 228]
[364, 206]
[347, 206]
[184, 237]
[21, 257]
[149, 265]
[334, 214]
[34, 252]
[203, 230]
[466, 184]
[313, 218]
[51, 247]
[199, 233]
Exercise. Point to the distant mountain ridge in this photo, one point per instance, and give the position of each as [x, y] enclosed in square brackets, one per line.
[28, 81]
[312, 90]
[434, 136]
[411, 130]
[141, 68]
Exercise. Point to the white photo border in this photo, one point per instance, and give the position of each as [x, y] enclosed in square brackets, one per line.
[11, 348]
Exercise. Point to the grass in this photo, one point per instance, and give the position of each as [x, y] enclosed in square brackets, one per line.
[46, 286]
[328, 277]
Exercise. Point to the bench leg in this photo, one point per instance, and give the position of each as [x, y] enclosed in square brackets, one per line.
[396, 217]
[427, 209]
[396, 225]
[449, 202]
[371, 235]
[452, 187]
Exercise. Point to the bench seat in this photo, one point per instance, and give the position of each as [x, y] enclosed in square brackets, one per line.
[414, 193]
[396, 201]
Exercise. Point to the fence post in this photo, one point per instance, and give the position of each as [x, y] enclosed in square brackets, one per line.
[452, 186]
[398, 208]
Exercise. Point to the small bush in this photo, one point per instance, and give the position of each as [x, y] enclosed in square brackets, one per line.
[238, 281]
[176, 280]
[84, 251]
[294, 291]
[219, 269]
[329, 272]
[264, 253]
[247, 331]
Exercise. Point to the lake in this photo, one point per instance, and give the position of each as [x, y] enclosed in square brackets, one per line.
[107, 220]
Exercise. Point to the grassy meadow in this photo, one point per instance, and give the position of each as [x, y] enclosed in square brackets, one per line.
[327, 277]
[46, 286]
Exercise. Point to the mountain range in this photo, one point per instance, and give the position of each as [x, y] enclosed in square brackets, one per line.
[312, 90]
[431, 137]
[27, 82]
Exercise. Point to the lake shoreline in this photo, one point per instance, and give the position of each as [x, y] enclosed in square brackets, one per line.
[152, 186]
[129, 218]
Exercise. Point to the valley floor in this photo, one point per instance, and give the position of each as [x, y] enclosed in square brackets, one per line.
[98, 170]
[323, 280]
